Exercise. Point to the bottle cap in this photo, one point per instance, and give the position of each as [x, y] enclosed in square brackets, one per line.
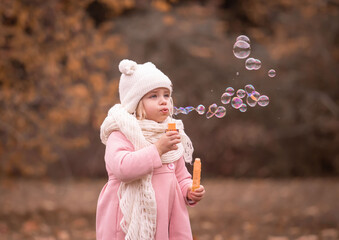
[172, 126]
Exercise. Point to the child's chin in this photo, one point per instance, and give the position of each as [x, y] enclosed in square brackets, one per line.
[162, 119]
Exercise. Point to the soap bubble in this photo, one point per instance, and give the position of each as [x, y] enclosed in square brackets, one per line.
[189, 109]
[257, 64]
[221, 112]
[243, 38]
[241, 93]
[212, 107]
[249, 64]
[255, 96]
[200, 109]
[263, 101]
[182, 110]
[252, 64]
[251, 102]
[236, 102]
[230, 91]
[249, 89]
[175, 111]
[209, 115]
[241, 49]
[271, 73]
[226, 98]
[211, 110]
[243, 108]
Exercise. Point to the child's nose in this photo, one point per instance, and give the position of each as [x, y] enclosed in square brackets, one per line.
[163, 100]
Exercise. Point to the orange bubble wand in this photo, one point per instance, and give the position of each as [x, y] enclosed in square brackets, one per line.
[196, 174]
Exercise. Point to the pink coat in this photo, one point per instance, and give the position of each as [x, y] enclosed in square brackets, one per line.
[170, 183]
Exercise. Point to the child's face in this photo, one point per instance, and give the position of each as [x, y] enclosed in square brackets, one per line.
[157, 104]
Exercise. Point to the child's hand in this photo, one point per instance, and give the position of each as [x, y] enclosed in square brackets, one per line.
[168, 142]
[197, 195]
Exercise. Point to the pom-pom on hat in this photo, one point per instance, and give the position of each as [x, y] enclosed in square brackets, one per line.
[138, 79]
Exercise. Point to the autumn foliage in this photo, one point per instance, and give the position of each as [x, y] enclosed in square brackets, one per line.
[58, 78]
[56, 81]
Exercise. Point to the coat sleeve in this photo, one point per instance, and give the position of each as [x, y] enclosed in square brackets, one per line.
[184, 179]
[127, 164]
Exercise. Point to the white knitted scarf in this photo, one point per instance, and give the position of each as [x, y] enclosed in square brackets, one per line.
[137, 198]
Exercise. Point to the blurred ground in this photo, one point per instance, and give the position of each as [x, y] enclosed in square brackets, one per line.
[267, 209]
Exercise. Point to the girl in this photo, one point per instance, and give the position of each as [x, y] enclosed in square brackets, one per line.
[148, 184]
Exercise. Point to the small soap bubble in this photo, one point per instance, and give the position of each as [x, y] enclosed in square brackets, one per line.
[263, 101]
[241, 49]
[209, 115]
[250, 63]
[211, 110]
[257, 64]
[241, 93]
[175, 111]
[237, 73]
[243, 108]
[200, 109]
[249, 89]
[182, 110]
[230, 91]
[255, 96]
[226, 98]
[221, 112]
[243, 38]
[189, 109]
[251, 102]
[236, 102]
[271, 73]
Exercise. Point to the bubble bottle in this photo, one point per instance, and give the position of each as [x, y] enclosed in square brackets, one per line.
[196, 174]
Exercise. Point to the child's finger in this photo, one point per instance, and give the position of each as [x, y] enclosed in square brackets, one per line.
[172, 133]
[174, 147]
[200, 189]
[196, 199]
[198, 194]
[174, 137]
[175, 141]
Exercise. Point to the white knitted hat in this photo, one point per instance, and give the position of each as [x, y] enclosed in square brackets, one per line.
[138, 79]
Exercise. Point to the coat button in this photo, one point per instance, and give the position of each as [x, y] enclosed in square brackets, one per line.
[171, 166]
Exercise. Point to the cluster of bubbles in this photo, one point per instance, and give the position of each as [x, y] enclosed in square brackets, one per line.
[242, 49]
[236, 98]
[213, 110]
[241, 98]
[186, 110]
[230, 96]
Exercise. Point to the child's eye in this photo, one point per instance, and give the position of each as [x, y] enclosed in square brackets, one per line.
[153, 96]
[167, 95]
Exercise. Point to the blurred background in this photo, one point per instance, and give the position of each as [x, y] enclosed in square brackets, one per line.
[270, 173]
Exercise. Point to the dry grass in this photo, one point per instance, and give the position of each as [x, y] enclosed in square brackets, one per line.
[305, 209]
